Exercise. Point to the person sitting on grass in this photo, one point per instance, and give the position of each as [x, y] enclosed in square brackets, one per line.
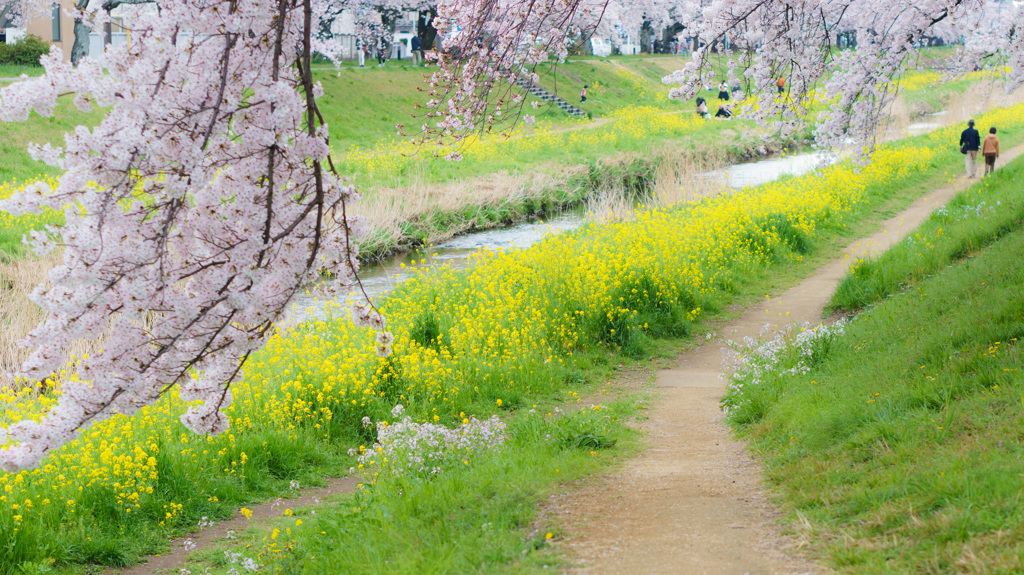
[702, 108]
[723, 112]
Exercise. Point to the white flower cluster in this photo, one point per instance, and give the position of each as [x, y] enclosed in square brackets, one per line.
[982, 209]
[426, 448]
[770, 356]
[247, 563]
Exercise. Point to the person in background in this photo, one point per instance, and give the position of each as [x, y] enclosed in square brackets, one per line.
[583, 94]
[723, 112]
[781, 84]
[417, 51]
[702, 108]
[360, 52]
[723, 91]
[382, 56]
[990, 149]
[970, 141]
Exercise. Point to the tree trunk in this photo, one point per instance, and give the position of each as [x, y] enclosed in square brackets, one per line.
[425, 29]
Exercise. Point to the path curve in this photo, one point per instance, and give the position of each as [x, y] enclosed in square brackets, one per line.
[693, 502]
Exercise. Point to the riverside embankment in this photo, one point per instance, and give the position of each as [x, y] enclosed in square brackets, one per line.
[519, 328]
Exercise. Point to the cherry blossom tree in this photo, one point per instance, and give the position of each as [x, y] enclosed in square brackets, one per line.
[756, 41]
[796, 40]
[8, 10]
[199, 206]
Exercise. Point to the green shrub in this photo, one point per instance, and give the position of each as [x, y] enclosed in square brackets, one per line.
[24, 53]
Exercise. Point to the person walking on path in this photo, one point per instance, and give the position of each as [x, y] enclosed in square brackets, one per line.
[723, 92]
[970, 142]
[417, 51]
[990, 149]
[583, 94]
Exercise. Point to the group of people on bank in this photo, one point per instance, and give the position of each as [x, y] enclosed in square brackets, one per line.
[971, 143]
[724, 110]
[724, 95]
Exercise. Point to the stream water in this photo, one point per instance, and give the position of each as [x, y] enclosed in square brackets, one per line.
[382, 276]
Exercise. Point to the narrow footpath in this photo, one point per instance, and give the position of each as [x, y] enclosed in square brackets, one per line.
[693, 502]
[210, 533]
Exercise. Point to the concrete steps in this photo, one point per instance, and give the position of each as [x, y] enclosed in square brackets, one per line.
[542, 94]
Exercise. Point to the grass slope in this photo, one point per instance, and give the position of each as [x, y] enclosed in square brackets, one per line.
[901, 449]
[15, 163]
[972, 220]
[476, 517]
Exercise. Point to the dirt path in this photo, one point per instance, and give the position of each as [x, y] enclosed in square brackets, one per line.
[176, 557]
[693, 502]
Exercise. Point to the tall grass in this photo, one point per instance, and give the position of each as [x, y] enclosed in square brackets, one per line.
[982, 214]
[465, 519]
[899, 450]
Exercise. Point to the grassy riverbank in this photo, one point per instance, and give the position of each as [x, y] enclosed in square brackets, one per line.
[413, 196]
[967, 225]
[519, 328]
[900, 450]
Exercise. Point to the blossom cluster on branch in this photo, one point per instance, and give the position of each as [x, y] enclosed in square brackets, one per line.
[195, 211]
[761, 41]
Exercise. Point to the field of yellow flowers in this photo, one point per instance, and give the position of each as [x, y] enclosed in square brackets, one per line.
[630, 129]
[13, 228]
[508, 328]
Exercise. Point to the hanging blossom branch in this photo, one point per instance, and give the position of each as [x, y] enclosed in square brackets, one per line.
[795, 39]
[488, 46]
[196, 210]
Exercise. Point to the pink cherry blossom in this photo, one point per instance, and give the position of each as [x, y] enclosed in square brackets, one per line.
[201, 204]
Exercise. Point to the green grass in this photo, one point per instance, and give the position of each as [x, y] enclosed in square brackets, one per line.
[15, 163]
[987, 211]
[901, 448]
[478, 516]
[16, 70]
[382, 97]
[527, 327]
